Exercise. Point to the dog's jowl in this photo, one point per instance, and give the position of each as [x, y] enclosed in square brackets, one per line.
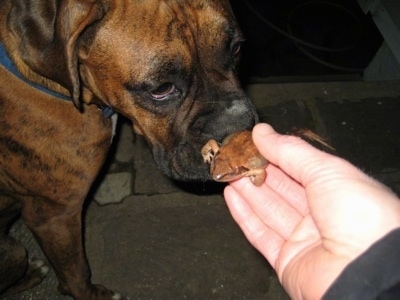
[66, 67]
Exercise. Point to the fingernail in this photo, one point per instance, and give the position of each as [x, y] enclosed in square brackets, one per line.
[262, 129]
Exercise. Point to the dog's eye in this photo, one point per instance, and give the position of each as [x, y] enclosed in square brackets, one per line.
[236, 49]
[163, 90]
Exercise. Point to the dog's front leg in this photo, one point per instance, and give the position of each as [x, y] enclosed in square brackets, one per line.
[59, 233]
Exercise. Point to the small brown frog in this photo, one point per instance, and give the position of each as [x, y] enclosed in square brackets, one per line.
[237, 157]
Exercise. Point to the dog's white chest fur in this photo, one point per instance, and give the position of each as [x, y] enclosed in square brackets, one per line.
[114, 120]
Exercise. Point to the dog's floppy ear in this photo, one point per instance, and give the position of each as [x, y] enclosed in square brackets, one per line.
[74, 17]
[49, 32]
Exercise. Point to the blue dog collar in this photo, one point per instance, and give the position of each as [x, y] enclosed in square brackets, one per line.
[6, 62]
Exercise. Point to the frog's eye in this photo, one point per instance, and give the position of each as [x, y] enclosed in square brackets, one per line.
[163, 91]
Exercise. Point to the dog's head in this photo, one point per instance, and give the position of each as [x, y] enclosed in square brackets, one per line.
[167, 65]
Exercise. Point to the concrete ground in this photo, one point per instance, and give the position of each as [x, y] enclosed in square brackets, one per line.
[150, 238]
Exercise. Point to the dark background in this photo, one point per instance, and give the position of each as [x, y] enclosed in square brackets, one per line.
[334, 24]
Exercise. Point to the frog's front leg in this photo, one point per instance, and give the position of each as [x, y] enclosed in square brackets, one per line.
[209, 150]
[257, 176]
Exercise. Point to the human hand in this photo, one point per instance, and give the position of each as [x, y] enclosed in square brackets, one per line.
[314, 214]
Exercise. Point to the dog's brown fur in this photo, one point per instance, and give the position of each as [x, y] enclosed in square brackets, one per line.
[103, 53]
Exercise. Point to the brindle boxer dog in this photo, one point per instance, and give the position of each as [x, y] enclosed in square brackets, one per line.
[167, 65]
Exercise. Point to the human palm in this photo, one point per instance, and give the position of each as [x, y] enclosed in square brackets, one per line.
[312, 223]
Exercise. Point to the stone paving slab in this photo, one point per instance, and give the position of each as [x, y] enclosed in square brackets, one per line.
[114, 188]
[125, 142]
[269, 94]
[175, 246]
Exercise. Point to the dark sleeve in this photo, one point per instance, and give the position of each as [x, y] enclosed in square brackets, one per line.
[373, 275]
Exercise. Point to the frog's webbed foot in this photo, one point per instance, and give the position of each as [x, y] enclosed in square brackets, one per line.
[209, 150]
[257, 176]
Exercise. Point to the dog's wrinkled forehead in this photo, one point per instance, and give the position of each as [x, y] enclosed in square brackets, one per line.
[155, 31]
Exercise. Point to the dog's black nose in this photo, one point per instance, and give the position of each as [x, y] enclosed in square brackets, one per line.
[227, 118]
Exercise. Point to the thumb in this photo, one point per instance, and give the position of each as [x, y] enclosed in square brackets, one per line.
[294, 156]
